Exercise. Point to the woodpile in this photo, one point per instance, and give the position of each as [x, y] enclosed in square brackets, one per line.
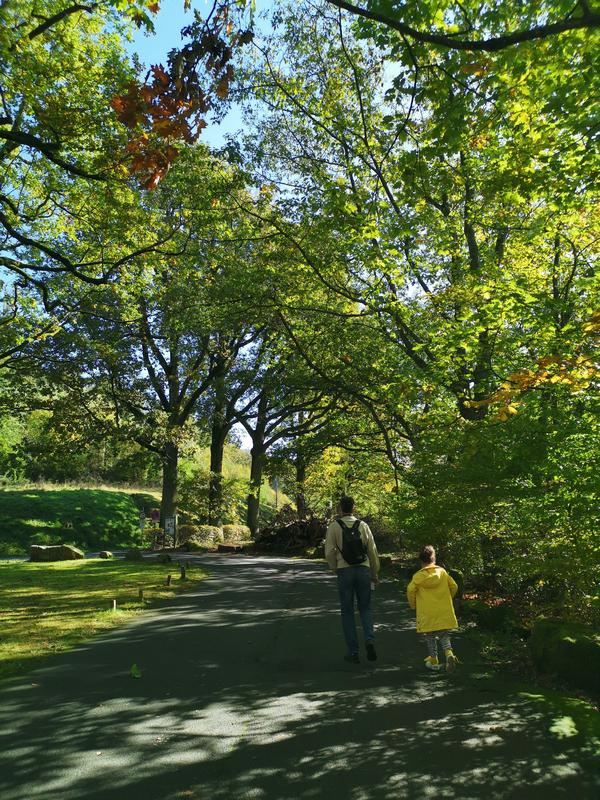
[299, 534]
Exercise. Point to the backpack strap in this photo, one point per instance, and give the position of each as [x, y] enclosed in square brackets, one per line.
[354, 528]
[344, 527]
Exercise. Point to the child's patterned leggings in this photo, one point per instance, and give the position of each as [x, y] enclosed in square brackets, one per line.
[431, 639]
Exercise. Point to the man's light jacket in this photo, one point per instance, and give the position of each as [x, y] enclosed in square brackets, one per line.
[333, 545]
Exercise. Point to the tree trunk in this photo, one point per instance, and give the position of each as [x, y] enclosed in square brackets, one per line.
[219, 429]
[256, 471]
[169, 484]
[215, 489]
[300, 478]
[256, 468]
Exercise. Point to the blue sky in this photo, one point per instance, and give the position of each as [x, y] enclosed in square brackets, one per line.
[154, 49]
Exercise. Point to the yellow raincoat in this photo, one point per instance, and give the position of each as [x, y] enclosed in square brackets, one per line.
[431, 591]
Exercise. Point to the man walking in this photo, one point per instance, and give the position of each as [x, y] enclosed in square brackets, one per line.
[351, 553]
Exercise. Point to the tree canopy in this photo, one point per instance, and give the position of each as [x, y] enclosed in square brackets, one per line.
[387, 279]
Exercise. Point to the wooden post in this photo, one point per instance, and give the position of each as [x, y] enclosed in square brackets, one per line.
[182, 576]
[141, 595]
[114, 605]
[168, 580]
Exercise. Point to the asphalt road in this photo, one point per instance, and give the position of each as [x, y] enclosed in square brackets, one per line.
[244, 694]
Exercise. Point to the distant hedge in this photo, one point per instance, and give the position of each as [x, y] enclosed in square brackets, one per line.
[204, 535]
[236, 533]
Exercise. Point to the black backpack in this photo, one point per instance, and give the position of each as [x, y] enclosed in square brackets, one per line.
[353, 548]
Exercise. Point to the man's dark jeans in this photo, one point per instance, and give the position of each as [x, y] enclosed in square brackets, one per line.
[355, 581]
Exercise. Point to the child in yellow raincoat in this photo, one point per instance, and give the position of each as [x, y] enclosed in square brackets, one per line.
[431, 591]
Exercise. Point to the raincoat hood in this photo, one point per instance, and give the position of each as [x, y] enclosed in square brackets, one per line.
[429, 577]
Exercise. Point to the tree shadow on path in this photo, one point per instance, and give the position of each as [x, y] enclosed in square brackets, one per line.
[244, 694]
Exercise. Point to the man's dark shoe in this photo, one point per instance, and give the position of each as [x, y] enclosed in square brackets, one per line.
[371, 652]
[352, 658]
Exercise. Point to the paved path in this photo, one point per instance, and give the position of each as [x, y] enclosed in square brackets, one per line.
[244, 695]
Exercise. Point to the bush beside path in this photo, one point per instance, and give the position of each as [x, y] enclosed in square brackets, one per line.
[243, 693]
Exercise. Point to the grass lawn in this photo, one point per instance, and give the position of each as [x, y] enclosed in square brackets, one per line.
[91, 518]
[46, 608]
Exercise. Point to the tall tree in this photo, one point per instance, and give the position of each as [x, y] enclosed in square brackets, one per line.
[60, 171]
[153, 344]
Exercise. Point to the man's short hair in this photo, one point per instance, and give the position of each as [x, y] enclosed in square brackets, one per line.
[346, 504]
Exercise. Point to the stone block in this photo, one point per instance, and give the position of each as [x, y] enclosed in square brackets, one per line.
[54, 552]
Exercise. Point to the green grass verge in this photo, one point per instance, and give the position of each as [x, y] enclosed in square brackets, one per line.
[92, 519]
[47, 608]
[572, 716]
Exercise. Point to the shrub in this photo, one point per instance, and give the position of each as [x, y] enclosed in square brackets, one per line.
[491, 618]
[459, 578]
[386, 536]
[570, 651]
[153, 537]
[204, 535]
[193, 495]
[185, 532]
[236, 533]
[193, 547]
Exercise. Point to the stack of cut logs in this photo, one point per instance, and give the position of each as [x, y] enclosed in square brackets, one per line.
[296, 535]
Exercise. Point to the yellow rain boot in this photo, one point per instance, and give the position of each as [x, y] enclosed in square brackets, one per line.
[451, 660]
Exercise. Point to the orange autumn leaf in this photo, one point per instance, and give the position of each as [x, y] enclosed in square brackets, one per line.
[223, 88]
[160, 75]
[154, 179]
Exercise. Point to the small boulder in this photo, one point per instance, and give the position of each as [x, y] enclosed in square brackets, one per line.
[106, 554]
[133, 555]
[164, 558]
[54, 552]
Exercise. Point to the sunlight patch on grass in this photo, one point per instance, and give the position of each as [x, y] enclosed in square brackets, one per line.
[570, 716]
[564, 727]
[47, 608]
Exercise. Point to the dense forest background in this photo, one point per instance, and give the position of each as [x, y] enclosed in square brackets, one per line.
[384, 284]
